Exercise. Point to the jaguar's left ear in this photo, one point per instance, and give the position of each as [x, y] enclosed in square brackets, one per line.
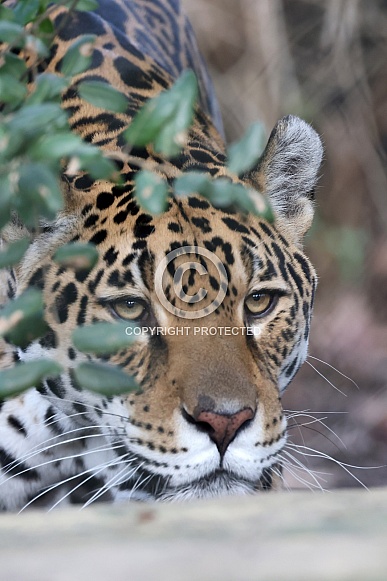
[287, 174]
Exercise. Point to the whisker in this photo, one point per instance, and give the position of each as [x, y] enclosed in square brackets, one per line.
[70, 457]
[118, 481]
[96, 471]
[326, 379]
[304, 424]
[320, 434]
[139, 483]
[335, 369]
[69, 479]
[288, 467]
[320, 421]
[94, 407]
[31, 454]
[311, 452]
[107, 486]
[278, 473]
[301, 466]
[297, 463]
[290, 413]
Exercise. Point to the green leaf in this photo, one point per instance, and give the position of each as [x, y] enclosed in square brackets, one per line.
[96, 165]
[11, 143]
[151, 191]
[104, 378]
[103, 95]
[6, 14]
[48, 87]
[86, 5]
[81, 5]
[222, 192]
[38, 119]
[173, 135]
[46, 28]
[26, 10]
[11, 89]
[5, 199]
[13, 65]
[148, 121]
[225, 193]
[165, 119]
[12, 33]
[14, 252]
[103, 338]
[254, 203]
[56, 146]
[244, 154]
[21, 320]
[39, 193]
[78, 57]
[192, 182]
[79, 256]
[24, 375]
[36, 45]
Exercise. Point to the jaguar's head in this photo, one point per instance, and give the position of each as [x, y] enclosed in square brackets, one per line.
[225, 301]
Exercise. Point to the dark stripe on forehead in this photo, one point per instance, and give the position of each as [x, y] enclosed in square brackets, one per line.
[297, 279]
[218, 242]
[81, 317]
[266, 228]
[110, 256]
[198, 203]
[92, 285]
[281, 259]
[304, 265]
[120, 279]
[270, 272]
[248, 259]
[146, 265]
[64, 299]
[143, 227]
[202, 223]
[98, 237]
[235, 225]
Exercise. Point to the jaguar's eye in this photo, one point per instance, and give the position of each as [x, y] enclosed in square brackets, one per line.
[259, 304]
[129, 309]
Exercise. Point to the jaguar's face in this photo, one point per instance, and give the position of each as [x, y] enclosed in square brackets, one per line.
[224, 303]
[223, 299]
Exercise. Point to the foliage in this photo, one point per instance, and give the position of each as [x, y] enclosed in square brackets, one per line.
[24, 375]
[37, 146]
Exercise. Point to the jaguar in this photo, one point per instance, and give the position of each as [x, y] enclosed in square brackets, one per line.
[208, 418]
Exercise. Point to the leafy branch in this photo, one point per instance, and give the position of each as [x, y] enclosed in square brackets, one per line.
[37, 146]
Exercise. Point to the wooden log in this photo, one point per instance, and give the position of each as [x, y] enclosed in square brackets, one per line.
[337, 536]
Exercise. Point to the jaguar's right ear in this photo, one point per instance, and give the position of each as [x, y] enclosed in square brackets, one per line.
[287, 174]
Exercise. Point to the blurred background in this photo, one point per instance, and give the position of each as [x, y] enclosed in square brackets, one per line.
[326, 61]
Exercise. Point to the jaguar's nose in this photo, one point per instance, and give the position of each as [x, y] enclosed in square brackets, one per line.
[222, 428]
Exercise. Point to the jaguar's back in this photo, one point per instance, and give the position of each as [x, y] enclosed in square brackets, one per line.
[225, 297]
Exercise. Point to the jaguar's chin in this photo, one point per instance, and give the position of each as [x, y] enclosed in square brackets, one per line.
[217, 483]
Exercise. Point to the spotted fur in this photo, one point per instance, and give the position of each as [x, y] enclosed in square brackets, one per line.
[208, 419]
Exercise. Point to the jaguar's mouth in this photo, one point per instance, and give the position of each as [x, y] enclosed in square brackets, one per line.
[148, 480]
[219, 483]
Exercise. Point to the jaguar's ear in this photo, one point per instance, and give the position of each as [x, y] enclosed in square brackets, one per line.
[287, 173]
